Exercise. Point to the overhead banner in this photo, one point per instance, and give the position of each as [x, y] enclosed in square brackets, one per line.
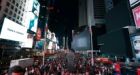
[13, 31]
[136, 15]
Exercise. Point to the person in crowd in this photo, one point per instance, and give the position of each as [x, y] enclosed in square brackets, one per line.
[16, 70]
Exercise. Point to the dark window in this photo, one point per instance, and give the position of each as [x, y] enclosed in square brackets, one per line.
[19, 12]
[6, 10]
[14, 15]
[22, 14]
[23, 9]
[4, 15]
[15, 9]
[0, 1]
[7, 4]
[12, 7]
[13, 1]
[17, 4]
[19, 7]
[21, 19]
[18, 17]
[13, 19]
[10, 13]
[9, 17]
[0, 8]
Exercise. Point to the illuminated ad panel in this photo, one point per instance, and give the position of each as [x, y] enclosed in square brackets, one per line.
[133, 2]
[33, 22]
[28, 42]
[13, 31]
[33, 6]
[135, 40]
[136, 15]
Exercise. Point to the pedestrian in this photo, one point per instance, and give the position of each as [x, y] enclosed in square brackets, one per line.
[16, 70]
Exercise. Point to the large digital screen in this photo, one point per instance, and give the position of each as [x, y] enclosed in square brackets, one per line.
[33, 22]
[136, 15]
[33, 6]
[28, 41]
[135, 40]
[81, 41]
[133, 2]
[13, 31]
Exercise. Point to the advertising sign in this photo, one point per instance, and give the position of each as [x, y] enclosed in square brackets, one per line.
[13, 31]
[32, 22]
[33, 6]
[136, 45]
[28, 41]
[136, 14]
[133, 2]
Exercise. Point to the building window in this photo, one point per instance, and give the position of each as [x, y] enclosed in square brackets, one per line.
[19, 7]
[21, 19]
[7, 4]
[9, 17]
[19, 12]
[10, 13]
[6, 10]
[0, 8]
[17, 4]
[18, 17]
[22, 14]
[13, 19]
[23, 9]
[12, 7]
[15, 9]
[0, 1]
[13, 1]
[14, 15]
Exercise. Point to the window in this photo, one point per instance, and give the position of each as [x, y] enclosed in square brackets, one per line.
[19, 12]
[15, 9]
[21, 19]
[10, 12]
[0, 1]
[22, 14]
[17, 4]
[13, 1]
[13, 19]
[14, 15]
[0, 8]
[7, 4]
[19, 7]
[9, 17]
[18, 17]
[23, 9]
[12, 7]
[6, 10]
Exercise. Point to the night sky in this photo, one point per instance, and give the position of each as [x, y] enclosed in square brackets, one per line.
[62, 18]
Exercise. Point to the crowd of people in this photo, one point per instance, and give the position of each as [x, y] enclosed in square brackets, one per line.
[66, 65]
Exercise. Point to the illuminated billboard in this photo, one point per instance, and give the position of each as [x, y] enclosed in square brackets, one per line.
[13, 31]
[33, 6]
[135, 40]
[28, 42]
[133, 2]
[136, 15]
[32, 22]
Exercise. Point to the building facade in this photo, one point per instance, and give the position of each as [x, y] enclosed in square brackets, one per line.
[15, 13]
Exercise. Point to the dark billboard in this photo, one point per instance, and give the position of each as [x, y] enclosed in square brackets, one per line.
[116, 43]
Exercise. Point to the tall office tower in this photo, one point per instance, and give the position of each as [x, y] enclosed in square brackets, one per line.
[91, 12]
[12, 9]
